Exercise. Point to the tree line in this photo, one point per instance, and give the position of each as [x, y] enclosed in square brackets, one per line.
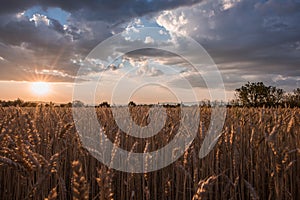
[252, 94]
[257, 94]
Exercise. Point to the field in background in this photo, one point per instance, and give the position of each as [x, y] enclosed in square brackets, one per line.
[257, 157]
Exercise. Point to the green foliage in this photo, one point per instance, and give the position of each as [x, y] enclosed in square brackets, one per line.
[257, 94]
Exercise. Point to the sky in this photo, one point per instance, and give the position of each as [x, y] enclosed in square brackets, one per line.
[61, 43]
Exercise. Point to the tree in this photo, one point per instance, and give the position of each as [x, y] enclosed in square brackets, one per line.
[293, 99]
[104, 104]
[257, 94]
[297, 97]
[18, 102]
[274, 96]
[297, 94]
[131, 104]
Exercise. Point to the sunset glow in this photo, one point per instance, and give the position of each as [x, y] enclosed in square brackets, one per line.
[40, 88]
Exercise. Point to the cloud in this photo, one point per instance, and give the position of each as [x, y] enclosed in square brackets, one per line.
[173, 22]
[43, 43]
[39, 19]
[145, 70]
[249, 37]
[245, 38]
[149, 40]
[49, 45]
[92, 10]
[227, 4]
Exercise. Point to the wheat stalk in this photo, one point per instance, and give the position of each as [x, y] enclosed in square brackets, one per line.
[79, 183]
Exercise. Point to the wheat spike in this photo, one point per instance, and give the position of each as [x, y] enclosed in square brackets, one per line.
[80, 187]
[104, 181]
[52, 194]
[203, 188]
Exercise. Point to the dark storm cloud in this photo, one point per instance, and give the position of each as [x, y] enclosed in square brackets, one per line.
[161, 56]
[25, 31]
[105, 10]
[261, 33]
[118, 10]
[26, 44]
[150, 52]
[258, 39]
[250, 38]
[14, 6]
[22, 57]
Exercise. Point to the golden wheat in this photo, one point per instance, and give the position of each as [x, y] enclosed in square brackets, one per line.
[257, 157]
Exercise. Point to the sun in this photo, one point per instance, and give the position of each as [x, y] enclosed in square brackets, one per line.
[40, 88]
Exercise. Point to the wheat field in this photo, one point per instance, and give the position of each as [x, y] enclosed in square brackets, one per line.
[257, 157]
